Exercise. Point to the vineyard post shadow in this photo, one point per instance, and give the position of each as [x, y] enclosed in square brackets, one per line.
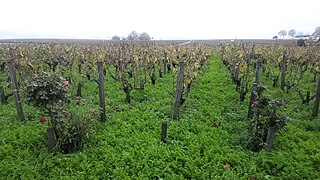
[14, 86]
[101, 92]
[179, 87]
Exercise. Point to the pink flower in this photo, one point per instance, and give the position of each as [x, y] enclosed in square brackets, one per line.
[66, 83]
[43, 119]
[93, 111]
[254, 102]
[33, 75]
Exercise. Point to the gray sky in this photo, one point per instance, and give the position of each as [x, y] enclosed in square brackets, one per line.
[161, 19]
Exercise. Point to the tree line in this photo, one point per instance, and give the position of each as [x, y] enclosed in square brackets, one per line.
[293, 33]
[133, 36]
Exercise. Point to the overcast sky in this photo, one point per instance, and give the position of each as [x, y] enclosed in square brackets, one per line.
[161, 19]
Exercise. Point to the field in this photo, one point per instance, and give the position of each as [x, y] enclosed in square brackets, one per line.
[213, 42]
[208, 141]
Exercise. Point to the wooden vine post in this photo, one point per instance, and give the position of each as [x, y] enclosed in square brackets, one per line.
[179, 87]
[317, 101]
[165, 63]
[79, 88]
[15, 90]
[254, 90]
[2, 96]
[271, 133]
[101, 92]
[164, 127]
[51, 140]
[283, 72]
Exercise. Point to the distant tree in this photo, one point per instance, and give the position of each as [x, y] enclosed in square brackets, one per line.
[115, 38]
[133, 36]
[123, 38]
[292, 32]
[317, 31]
[144, 36]
[316, 35]
[282, 33]
[275, 37]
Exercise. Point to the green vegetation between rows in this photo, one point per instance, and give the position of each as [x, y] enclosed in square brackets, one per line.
[203, 144]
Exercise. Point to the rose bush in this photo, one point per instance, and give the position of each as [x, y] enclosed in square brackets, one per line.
[49, 92]
[46, 90]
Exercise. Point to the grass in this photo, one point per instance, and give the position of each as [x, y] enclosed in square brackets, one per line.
[128, 146]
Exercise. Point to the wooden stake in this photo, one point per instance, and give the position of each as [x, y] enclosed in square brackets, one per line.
[51, 140]
[164, 131]
[317, 101]
[179, 87]
[2, 96]
[101, 92]
[14, 87]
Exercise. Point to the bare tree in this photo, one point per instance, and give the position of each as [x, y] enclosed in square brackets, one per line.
[292, 32]
[282, 33]
[279, 33]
